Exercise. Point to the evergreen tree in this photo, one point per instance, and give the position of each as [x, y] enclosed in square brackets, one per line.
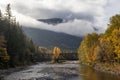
[8, 12]
[15, 47]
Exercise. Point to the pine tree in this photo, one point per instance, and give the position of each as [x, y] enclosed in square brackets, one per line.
[8, 12]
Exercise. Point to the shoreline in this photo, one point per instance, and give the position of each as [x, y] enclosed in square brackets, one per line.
[113, 68]
[4, 72]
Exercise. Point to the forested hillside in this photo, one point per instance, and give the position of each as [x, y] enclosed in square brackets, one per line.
[49, 39]
[103, 48]
[15, 48]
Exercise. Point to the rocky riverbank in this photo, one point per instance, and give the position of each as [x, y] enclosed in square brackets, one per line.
[4, 72]
[113, 68]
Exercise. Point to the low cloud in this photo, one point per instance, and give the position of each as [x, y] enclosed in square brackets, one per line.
[84, 15]
[75, 27]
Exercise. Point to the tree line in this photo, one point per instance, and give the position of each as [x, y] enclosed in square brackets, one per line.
[15, 47]
[102, 47]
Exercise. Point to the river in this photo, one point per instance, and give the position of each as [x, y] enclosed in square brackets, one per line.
[65, 71]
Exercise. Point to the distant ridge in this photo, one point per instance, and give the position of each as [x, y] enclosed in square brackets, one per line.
[50, 39]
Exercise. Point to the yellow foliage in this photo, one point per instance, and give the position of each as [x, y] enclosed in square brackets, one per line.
[105, 46]
[56, 52]
[4, 56]
[87, 50]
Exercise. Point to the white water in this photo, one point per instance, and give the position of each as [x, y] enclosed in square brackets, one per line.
[47, 71]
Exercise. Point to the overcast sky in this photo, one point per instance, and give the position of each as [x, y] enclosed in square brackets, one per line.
[84, 15]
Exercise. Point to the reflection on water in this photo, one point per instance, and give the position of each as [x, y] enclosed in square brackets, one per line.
[87, 73]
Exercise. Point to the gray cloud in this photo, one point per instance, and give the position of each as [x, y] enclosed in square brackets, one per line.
[49, 13]
[85, 15]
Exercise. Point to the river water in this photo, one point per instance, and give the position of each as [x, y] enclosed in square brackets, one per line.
[65, 71]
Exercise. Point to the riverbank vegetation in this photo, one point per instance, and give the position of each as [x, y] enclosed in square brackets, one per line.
[102, 48]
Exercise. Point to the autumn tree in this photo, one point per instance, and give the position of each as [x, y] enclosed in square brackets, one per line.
[110, 41]
[115, 38]
[114, 24]
[104, 47]
[4, 57]
[56, 53]
[87, 49]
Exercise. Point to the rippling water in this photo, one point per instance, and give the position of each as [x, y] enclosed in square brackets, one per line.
[65, 71]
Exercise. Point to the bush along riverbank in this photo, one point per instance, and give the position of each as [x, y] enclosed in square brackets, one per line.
[110, 68]
[102, 51]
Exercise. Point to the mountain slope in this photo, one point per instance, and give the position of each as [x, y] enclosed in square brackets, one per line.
[50, 39]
